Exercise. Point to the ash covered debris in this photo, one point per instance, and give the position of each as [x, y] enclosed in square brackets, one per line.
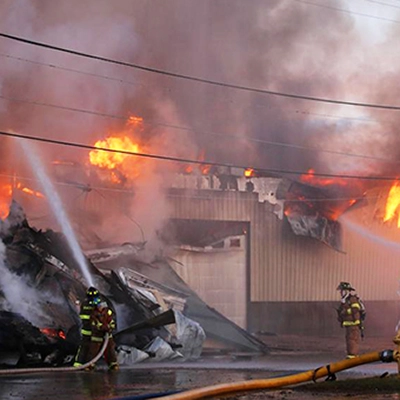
[40, 289]
[159, 282]
[41, 286]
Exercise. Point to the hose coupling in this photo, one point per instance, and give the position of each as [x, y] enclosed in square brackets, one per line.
[387, 356]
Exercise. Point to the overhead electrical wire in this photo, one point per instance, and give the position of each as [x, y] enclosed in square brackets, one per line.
[185, 128]
[347, 11]
[196, 162]
[168, 89]
[77, 71]
[196, 79]
[383, 4]
[219, 135]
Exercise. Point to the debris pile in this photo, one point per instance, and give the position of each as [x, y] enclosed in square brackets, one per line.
[41, 286]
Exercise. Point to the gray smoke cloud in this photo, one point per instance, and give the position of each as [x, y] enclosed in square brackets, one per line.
[284, 46]
[18, 295]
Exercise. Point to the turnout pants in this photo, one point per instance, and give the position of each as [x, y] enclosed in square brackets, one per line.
[353, 337]
[110, 354]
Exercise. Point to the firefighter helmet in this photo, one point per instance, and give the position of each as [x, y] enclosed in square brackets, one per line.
[92, 292]
[345, 286]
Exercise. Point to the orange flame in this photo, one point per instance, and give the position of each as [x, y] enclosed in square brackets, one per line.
[317, 181]
[29, 191]
[53, 333]
[249, 172]
[135, 121]
[110, 160]
[205, 169]
[189, 169]
[121, 166]
[62, 162]
[6, 194]
[392, 204]
[5, 199]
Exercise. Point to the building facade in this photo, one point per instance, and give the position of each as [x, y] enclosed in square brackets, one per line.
[291, 280]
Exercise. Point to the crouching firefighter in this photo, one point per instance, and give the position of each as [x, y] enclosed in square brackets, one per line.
[351, 315]
[103, 322]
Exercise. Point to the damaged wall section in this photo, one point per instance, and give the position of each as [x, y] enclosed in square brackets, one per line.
[295, 273]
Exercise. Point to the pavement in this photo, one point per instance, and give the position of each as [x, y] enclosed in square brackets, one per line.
[288, 355]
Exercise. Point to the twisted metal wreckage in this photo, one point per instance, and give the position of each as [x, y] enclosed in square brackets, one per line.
[41, 286]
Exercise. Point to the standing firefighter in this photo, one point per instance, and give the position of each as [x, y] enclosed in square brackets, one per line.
[351, 315]
[103, 322]
[85, 313]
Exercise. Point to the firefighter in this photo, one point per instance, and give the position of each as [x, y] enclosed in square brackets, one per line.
[102, 322]
[351, 315]
[85, 313]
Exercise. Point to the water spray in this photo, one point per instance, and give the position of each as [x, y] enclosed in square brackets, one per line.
[57, 208]
[377, 239]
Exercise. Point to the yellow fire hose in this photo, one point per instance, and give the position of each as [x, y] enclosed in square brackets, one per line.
[16, 371]
[273, 383]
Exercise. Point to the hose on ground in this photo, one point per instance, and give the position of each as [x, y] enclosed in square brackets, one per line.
[58, 369]
[149, 395]
[273, 383]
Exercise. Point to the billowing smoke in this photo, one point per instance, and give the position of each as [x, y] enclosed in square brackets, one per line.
[285, 46]
[17, 293]
[18, 296]
[289, 47]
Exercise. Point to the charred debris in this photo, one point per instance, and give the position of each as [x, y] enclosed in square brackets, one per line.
[313, 211]
[158, 316]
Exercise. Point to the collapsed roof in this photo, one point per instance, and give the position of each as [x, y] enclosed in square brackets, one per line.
[314, 211]
[41, 283]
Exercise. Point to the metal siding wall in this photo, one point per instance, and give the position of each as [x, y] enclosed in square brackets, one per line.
[217, 278]
[285, 267]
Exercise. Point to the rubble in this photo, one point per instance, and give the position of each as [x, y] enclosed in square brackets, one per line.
[39, 303]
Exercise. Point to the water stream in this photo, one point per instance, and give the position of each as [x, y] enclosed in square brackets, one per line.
[57, 207]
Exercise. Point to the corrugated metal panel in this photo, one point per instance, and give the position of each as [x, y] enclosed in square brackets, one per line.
[285, 267]
[217, 277]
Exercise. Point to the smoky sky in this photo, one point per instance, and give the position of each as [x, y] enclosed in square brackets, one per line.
[283, 46]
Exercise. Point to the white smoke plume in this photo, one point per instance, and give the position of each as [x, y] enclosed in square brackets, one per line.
[18, 296]
[15, 218]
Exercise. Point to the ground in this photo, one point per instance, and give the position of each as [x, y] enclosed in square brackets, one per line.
[289, 355]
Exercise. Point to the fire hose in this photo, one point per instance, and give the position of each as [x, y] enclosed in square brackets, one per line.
[61, 369]
[274, 383]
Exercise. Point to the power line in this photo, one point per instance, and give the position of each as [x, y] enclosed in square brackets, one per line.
[54, 66]
[65, 108]
[341, 117]
[197, 79]
[168, 89]
[347, 11]
[383, 4]
[219, 135]
[196, 162]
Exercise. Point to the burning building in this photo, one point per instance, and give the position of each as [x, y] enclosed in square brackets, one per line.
[288, 241]
[267, 256]
[289, 276]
